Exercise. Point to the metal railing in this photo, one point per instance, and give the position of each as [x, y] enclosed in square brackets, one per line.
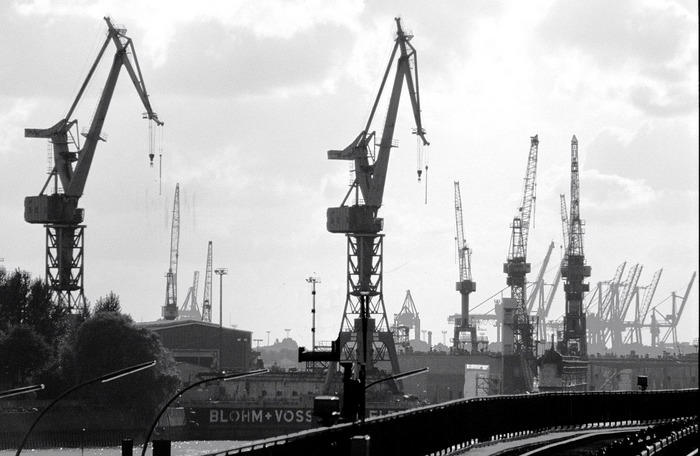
[459, 424]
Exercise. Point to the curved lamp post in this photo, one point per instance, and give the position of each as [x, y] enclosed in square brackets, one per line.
[21, 390]
[182, 391]
[398, 376]
[104, 379]
[393, 377]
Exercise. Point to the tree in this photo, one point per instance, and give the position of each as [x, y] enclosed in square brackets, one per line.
[24, 301]
[109, 341]
[109, 303]
[23, 353]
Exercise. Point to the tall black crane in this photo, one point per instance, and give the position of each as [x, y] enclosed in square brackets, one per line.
[464, 331]
[169, 309]
[58, 210]
[364, 316]
[518, 343]
[575, 271]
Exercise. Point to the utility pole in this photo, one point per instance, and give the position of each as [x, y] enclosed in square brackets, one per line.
[268, 338]
[221, 272]
[313, 281]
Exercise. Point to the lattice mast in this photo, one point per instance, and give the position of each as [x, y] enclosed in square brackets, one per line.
[517, 266]
[518, 342]
[59, 211]
[357, 218]
[464, 331]
[575, 271]
[170, 307]
[206, 300]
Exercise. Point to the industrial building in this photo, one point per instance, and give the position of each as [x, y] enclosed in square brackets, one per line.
[204, 346]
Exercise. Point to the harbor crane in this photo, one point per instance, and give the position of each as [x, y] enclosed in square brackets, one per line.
[405, 321]
[58, 210]
[575, 271]
[170, 307]
[464, 331]
[190, 308]
[518, 343]
[206, 299]
[364, 316]
[641, 310]
[670, 321]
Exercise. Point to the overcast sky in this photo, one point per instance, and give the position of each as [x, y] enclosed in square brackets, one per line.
[253, 95]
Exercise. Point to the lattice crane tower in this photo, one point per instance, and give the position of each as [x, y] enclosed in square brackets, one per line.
[464, 332]
[170, 307]
[518, 328]
[574, 272]
[206, 300]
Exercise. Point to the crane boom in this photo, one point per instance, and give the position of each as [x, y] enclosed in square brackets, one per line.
[170, 307]
[539, 282]
[74, 178]
[463, 251]
[206, 300]
[685, 296]
[370, 178]
[564, 224]
[521, 222]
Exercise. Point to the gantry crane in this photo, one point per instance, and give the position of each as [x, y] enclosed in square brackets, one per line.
[59, 210]
[170, 307]
[206, 300]
[364, 315]
[190, 308]
[575, 271]
[641, 310]
[464, 331]
[600, 305]
[670, 321]
[405, 321]
[518, 343]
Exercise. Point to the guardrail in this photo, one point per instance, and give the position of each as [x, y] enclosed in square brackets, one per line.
[461, 423]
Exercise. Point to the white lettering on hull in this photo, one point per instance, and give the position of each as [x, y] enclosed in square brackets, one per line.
[277, 416]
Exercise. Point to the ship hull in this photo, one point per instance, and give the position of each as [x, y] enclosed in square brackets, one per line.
[232, 421]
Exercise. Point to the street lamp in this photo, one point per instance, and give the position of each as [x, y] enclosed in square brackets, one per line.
[182, 391]
[221, 272]
[21, 390]
[399, 376]
[313, 281]
[104, 379]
